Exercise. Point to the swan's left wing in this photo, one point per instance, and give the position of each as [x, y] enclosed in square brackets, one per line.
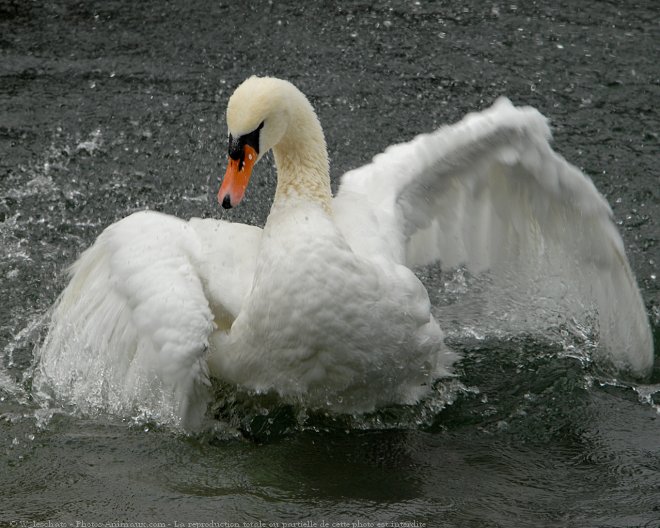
[490, 194]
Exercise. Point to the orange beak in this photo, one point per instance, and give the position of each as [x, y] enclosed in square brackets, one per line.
[236, 178]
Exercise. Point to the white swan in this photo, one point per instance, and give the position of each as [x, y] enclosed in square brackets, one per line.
[321, 305]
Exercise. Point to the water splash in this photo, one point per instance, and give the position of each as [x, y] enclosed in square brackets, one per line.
[91, 145]
[649, 395]
[266, 418]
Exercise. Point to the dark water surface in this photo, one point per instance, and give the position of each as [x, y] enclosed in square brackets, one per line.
[110, 107]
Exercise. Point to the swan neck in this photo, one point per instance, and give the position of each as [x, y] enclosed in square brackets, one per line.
[301, 158]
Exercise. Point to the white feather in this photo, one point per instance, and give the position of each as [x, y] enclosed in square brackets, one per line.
[130, 332]
[323, 307]
[491, 194]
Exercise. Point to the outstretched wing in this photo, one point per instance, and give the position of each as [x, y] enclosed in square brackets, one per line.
[129, 334]
[490, 194]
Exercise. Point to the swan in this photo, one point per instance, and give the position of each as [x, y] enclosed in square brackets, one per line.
[322, 306]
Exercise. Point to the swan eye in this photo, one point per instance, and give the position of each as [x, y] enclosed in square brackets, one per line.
[236, 146]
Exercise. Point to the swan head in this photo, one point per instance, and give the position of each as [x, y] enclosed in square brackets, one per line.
[258, 116]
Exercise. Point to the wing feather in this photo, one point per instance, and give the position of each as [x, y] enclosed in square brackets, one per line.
[489, 193]
[130, 332]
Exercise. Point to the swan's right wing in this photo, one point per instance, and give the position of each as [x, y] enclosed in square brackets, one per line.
[489, 193]
[130, 333]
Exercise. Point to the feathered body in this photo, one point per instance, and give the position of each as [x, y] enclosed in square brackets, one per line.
[322, 306]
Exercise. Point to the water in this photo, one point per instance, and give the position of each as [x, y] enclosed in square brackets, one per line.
[111, 107]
